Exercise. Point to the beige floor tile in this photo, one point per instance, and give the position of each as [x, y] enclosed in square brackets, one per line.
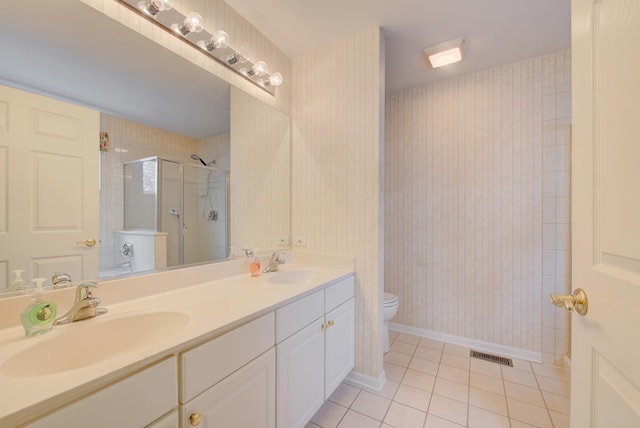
[419, 380]
[403, 348]
[329, 415]
[344, 394]
[528, 413]
[553, 372]
[518, 376]
[397, 358]
[431, 343]
[450, 389]
[560, 420]
[522, 365]
[358, 420]
[401, 416]
[486, 383]
[394, 372]
[436, 422]
[450, 348]
[453, 373]
[555, 386]
[556, 402]
[413, 397]
[524, 393]
[488, 401]
[480, 418]
[520, 424]
[371, 405]
[428, 354]
[392, 335]
[389, 389]
[408, 338]
[424, 366]
[449, 409]
[455, 360]
[485, 367]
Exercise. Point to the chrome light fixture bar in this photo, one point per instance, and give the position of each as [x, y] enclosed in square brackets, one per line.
[190, 29]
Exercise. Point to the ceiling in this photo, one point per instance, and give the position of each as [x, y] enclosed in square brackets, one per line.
[496, 32]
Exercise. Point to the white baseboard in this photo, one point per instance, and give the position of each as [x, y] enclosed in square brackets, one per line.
[566, 361]
[471, 343]
[361, 380]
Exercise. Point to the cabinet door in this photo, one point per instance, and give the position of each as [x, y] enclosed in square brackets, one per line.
[301, 376]
[339, 345]
[171, 420]
[244, 399]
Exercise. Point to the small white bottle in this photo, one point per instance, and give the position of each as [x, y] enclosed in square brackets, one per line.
[18, 283]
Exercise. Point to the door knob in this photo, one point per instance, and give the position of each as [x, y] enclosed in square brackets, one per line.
[578, 301]
[195, 419]
[87, 242]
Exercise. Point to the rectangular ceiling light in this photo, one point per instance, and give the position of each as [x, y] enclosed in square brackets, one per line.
[445, 53]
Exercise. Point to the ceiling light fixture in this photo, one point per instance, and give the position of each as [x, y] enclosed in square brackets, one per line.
[445, 53]
[190, 29]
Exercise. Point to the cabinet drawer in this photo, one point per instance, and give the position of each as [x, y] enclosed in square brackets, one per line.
[133, 402]
[208, 364]
[338, 293]
[298, 314]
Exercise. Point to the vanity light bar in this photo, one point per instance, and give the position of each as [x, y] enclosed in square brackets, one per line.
[190, 29]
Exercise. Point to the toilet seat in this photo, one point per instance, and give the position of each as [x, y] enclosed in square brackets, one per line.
[390, 299]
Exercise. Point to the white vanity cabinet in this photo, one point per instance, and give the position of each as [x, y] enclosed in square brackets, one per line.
[136, 401]
[230, 381]
[315, 351]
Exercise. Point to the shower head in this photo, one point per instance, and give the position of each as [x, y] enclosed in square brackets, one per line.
[198, 158]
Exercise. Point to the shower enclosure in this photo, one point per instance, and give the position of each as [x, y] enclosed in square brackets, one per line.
[187, 202]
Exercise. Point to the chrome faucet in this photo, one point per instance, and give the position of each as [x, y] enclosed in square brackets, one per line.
[85, 306]
[274, 262]
[60, 280]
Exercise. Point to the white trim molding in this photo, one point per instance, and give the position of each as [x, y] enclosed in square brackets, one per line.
[471, 343]
[361, 380]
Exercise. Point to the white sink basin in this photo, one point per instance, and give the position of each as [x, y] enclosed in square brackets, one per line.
[290, 276]
[89, 342]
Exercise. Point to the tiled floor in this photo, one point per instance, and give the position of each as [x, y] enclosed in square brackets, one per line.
[432, 384]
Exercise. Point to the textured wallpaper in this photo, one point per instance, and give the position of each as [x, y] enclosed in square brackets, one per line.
[336, 170]
[464, 202]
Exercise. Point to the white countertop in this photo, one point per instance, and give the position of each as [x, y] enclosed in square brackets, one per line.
[213, 307]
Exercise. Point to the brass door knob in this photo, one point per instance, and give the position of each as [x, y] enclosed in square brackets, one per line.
[578, 301]
[87, 242]
[195, 419]
[331, 323]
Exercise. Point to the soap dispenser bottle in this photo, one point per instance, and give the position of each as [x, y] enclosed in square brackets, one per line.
[37, 318]
[255, 266]
[18, 283]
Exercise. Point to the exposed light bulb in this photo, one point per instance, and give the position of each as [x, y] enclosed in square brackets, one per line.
[275, 79]
[154, 7]
[258, 69]
[220, 40]
[238, 57]
[193, 23]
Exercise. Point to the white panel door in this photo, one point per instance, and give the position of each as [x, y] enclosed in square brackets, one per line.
[48, 186]
[605, 348]
[300, 383]
[247, 398]
[339, 345]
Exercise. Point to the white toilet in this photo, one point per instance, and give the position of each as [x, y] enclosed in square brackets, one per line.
[390, 310]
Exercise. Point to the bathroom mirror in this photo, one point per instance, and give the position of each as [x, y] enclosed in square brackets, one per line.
[154, 104]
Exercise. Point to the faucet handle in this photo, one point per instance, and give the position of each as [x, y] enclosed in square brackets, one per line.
[85, 290]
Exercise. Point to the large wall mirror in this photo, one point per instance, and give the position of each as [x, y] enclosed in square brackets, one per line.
[181, 168]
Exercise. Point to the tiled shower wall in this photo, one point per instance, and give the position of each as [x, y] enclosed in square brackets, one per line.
[470, 164]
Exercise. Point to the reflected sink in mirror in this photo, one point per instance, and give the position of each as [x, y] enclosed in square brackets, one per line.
[290, 276]
[86, 343]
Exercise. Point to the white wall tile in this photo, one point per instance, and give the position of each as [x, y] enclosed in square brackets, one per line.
[563, 184]
[563, 210]
[563, 105]
[548, 236]
[562, 236]
[549, 210]
[549, 107]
